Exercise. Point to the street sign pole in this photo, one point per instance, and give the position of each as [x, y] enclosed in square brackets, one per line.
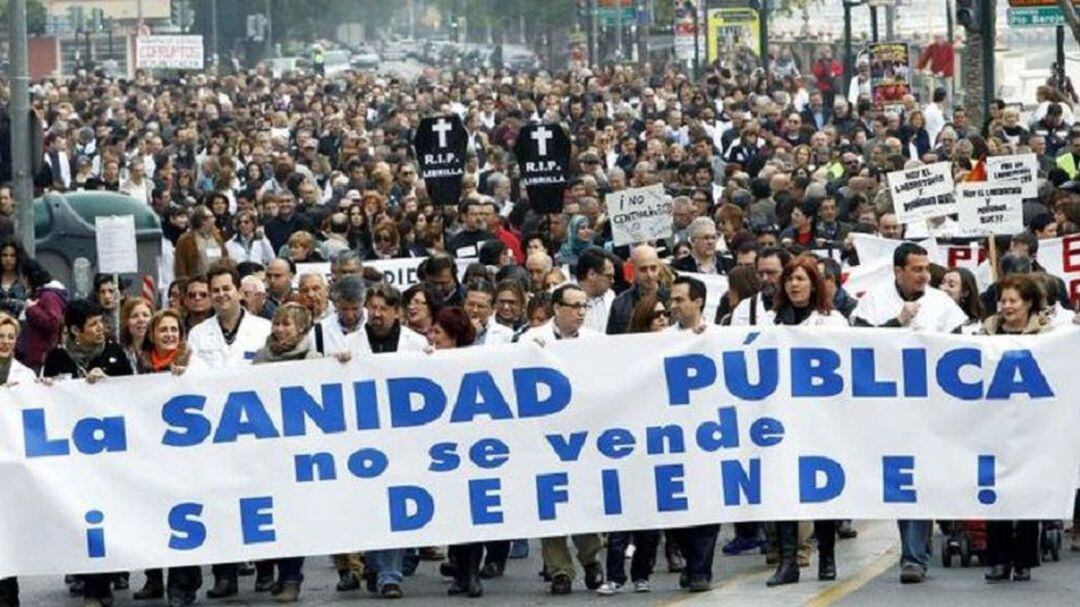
[19, 111]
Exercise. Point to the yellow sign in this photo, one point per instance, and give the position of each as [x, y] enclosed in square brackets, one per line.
[731, 28]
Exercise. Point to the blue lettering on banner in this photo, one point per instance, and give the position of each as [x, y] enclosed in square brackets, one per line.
[813, 373]
[898, 480]
[444, 457]
[670, 488]
[182, 412]
[527, 384]
[367, 405]
[307, 465]
[95, 536]
[739, 482]
[484, 501]
[297, 406]
[712, 436]
[687, 373]
[91, 435]
[656, 437]
[1018, 373]
[810, 491]
[914, 375]
[36, 436]
[489, 453]
[568, 450]
[368, 463]
[257, 519]
[479, 396]
[411, 507]
[609, 480]
[550, 491]
[948, 373]
[865, 383]
[244, 413]
[766, 432]
[188, 532]
[737, 378]
[401, 391]
[615, 443]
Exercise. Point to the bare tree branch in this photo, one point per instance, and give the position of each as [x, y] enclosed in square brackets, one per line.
[1071, 18]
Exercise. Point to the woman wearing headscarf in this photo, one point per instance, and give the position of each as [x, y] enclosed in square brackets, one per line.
[579, 236]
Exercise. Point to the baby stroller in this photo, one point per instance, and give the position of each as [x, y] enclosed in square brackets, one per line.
[965, 539]
[1051, 540]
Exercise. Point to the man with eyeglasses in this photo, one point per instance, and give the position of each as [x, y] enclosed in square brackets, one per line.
[703, 257]
[758, 309]
[595, 273]
[197, 306]
[569, 304]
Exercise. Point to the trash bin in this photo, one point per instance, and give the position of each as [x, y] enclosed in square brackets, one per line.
[64, 231]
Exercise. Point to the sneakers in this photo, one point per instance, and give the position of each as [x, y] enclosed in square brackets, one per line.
[609, 588]
[290, 593]
[642, 586]
[910, 573]
[699, 583]
[739, 545]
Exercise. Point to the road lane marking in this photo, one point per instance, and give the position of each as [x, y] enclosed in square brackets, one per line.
[836, 592]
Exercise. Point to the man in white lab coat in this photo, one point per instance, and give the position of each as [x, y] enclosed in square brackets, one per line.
[330, 334]
[227, 340]
[480, 306]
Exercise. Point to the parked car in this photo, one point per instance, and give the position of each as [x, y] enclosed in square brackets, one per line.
[365, 57]
[520, 58]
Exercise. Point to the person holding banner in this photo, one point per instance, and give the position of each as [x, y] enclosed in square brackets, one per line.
[1012, 547]
[12, 372]
[87, 353]
[803, 300]
[567, 322]
[909, 302]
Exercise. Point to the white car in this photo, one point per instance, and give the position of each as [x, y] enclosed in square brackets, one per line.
[365, 57]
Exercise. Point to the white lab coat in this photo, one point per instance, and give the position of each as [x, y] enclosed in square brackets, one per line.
[546, 334]
[740, 317]
[209, 350]
[20, 373]
[938, 313]
[409, 341]
[598, 310]
[334, 338]
[495, 334]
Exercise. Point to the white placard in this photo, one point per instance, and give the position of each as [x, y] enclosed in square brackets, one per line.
[1020, 168]
[923, 192]
[988, 209]
[639, 215]
[117, 249]
[169, 52]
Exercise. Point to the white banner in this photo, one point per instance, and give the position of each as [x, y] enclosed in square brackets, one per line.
[398, 273]
[990, 208]
[1022, 169]
[169, 52]
[639, 215]
[1061, 257]
[922, 192]
[629, 432]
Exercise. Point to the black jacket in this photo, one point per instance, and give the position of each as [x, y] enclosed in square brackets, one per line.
[112, 361]
[623, 308]
[722, 262]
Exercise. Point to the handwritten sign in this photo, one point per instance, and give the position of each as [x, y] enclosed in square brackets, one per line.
[639, 215]
[117, 250]
[1020, 168]
[988, 209]
[923, 192]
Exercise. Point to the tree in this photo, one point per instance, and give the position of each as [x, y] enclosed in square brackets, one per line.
[973, 81]
[35, 16]
[1071, 18]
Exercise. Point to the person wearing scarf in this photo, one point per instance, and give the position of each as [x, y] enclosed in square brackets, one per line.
[164, 349]
[289, 339]
[579, 237]
[86, 353]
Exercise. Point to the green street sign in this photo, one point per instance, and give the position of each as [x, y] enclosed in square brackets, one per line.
[1036, 16]
[609, 15]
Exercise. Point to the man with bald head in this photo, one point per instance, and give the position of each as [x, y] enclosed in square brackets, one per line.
[646, 281]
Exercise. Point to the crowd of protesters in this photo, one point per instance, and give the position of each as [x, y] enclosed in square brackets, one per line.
[770, 174]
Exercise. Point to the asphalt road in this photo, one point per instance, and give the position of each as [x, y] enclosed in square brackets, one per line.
[868, 575]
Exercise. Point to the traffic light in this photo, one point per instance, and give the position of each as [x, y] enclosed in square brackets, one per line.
[968, 14]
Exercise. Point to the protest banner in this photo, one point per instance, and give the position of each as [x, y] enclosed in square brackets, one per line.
[177, 52]
[543, 155]
[639, 215]
[115, 241]
[1020, 168]
[500, 442]
[890, 72]
[398, 273]
[1061, 257]
[440, 143]
[923, 192]
[988, 208]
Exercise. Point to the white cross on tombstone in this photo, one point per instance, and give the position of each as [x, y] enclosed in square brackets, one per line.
[442, 127]
[541, 136]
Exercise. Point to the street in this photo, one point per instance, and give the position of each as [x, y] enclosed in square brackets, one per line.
[868, 575]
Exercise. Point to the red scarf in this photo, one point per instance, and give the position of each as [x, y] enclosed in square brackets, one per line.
[162, 362]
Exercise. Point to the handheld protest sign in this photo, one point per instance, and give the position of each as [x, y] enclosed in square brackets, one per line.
[639, 215]
[543, 155]
[923, 192]
[990, 209]
[1019, 168]
[440, 143]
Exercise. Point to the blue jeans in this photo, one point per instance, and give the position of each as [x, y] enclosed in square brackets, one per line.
[914, 542]
[387, 564]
